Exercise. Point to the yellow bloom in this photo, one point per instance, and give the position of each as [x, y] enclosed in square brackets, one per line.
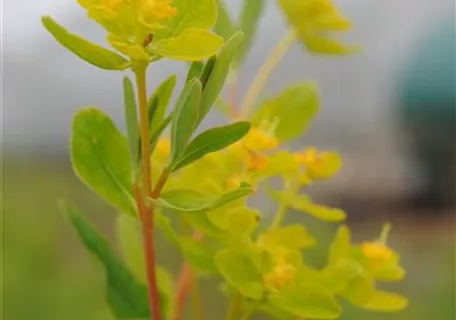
[256, 162]
[377, 252]
[319, 165]
[313, 21]
[154, 11]
[259, 140]
[163, 148]
[282, 274]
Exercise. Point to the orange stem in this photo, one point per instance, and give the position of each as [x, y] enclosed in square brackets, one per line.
[146, 213]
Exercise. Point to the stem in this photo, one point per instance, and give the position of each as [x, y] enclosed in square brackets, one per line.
[283, 206]
[235, 308]
[265, 71]
[182, 291]
[146, 214]
[185, 277]
[196, 295]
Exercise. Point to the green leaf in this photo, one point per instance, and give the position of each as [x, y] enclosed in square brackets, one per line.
[185, 118]
[193, 201]
[250, 17]
[212, 140]
[224, 26]
[129, 237]
[239, 271]
[101, 158]
[199, 255]
[306, 301]
[126, 296]
[340, 246]
[195, 70]
[288, 237]
[390, 272]
[131, 119]
[88, 51]
[207, 70]
[155, 136]
[386, 302]
[199, 14]
[293, 110]
[220, 72]
[158, 103]
[190, 45]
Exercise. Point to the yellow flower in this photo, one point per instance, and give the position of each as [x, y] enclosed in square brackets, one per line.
[282, 274]
[163, 148]
[130, 23]
[154, 11]
[319, 165]
[313, 21]
[257, 162]
[259, 140]
[377, 252]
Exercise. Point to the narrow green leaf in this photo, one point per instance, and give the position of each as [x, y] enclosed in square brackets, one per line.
[101, 158]
[212, 140]
[224, 26]
[220, 72]
[131, 119]
[185, 117]
[190, 45]
[382, 301]
[195, 70]
[207, 70]
[88, 51]
[239, 271]
[155, 137]
[309, 301]
[193, 201]
[126, 296]
[159, 101]
[250, 17]
[340, 246]
[292, 110]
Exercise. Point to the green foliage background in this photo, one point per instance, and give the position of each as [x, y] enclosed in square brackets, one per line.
[48, 275]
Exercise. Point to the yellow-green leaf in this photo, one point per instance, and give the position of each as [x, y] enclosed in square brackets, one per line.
[309, 301]
[340, 246]
[288, 238]
[193, 201]
[190, 45]
[292, 110]
[382, 301]
[304, 203]
[211, 140]
[199, 14]
[239, 271]
[199, 255]
[101, 158]
[131, 120]
[185, 118]
[90, 52]
[220, 72]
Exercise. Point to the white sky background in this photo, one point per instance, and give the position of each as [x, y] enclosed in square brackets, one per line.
[44, 85]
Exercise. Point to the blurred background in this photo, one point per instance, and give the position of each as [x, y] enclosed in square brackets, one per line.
[390, 112]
